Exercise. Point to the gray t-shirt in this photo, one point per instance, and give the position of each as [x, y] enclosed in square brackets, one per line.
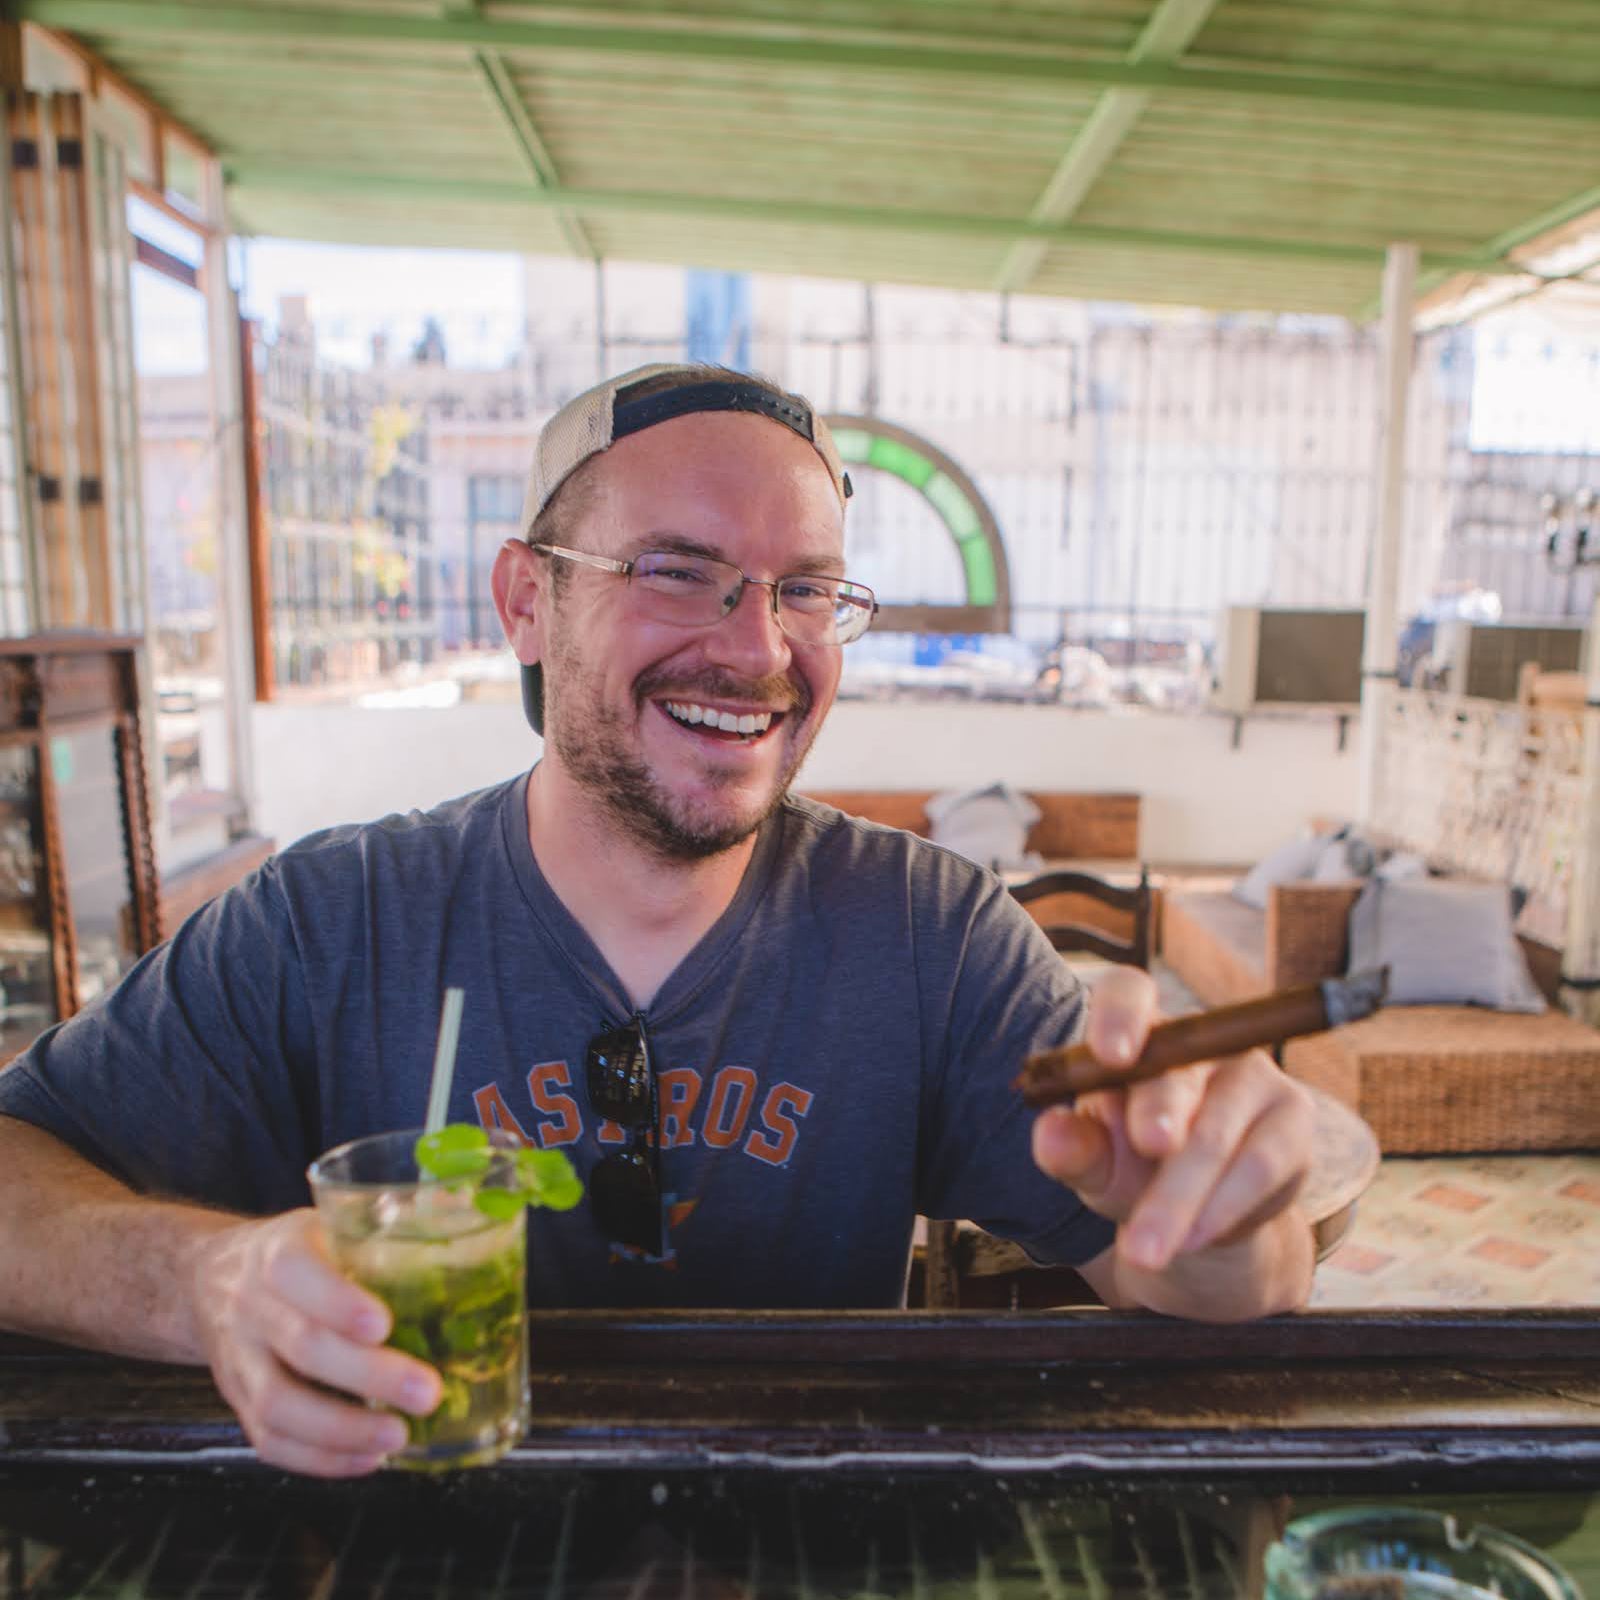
[834, 1056]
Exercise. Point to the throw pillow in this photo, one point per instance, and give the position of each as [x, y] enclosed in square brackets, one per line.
[1444, 941]
[989, 825]
[1402, 864]
[1296, 859]
[1344, 856]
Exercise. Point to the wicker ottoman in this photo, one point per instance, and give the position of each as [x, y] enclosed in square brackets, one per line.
[1442, 1079]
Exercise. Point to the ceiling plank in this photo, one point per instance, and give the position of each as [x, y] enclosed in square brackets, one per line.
[535, 154]
[108, 19]
[1169, 32]
[312, 181]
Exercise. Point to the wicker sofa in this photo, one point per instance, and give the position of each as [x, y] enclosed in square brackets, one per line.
[1071, 827]
[1429, 1079]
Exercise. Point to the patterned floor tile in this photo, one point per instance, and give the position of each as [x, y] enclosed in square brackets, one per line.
[1471, 1231]
[1517, 1253]
[1454, 1197]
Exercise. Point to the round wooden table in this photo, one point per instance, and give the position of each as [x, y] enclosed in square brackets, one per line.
[972, 1268]
[1344, 1161]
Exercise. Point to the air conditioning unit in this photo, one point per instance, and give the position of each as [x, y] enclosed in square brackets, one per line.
[1482, 659]
[1275, 656]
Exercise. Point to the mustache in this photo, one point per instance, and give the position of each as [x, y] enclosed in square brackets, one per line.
[776, 691]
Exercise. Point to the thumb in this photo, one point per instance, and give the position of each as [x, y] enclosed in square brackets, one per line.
[1074, 1150]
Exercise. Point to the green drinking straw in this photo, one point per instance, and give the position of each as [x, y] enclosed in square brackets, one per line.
[444, 1059]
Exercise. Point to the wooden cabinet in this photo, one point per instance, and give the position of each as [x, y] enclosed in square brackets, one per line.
[79, 899]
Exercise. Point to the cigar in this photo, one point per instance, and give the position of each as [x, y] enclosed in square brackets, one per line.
[1056, 1075]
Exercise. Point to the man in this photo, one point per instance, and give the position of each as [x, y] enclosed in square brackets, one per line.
[767, 1034]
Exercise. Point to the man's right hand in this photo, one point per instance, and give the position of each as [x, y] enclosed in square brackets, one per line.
[281, 1326]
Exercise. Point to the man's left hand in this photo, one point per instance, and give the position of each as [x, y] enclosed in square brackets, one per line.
[1199, 1168]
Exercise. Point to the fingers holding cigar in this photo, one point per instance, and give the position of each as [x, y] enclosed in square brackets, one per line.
[1240, 1161]
[1189, 1138]
[1122, 1009]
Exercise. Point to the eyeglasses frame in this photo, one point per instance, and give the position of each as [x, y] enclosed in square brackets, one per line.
[624, 569]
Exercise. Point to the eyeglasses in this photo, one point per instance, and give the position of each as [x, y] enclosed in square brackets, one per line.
[625, 1185]
[698, 592]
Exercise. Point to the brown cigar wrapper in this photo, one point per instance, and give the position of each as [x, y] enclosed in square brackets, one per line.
[1056, 1075]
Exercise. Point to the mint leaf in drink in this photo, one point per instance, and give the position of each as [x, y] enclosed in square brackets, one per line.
[499, 1203]
[548, 1180]
[461, 1150]
[458, 1150]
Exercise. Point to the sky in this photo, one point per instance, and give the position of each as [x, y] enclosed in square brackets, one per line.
[354, 294]
[357, 292]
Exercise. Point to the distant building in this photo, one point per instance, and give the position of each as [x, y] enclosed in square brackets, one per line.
[346, 495]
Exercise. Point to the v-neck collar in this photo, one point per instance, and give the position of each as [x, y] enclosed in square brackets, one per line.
[689, 978]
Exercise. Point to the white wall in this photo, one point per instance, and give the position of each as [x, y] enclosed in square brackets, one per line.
[320, 765]
[1204, 802]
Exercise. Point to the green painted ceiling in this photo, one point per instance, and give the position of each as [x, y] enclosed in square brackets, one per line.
[1231, 153]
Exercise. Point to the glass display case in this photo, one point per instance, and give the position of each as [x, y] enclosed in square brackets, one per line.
[79, 898]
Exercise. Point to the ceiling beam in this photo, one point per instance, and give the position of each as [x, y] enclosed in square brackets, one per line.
[530, 142]
[1501, 246]
[106, 19]
[1469, 304]
[324, 182]
[1168, 33]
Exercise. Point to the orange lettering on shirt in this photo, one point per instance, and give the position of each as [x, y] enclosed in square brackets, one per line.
[678, 1089]
[493, 1112]
[545, 1078]
[611, 1132]
[722, 1128]
[782, 1099]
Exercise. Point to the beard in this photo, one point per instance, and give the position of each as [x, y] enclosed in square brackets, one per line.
[593, 745]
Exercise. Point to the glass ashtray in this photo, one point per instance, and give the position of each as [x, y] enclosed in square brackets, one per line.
[1390, 1553]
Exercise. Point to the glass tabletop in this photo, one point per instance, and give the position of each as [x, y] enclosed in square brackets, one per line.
[119, 1534]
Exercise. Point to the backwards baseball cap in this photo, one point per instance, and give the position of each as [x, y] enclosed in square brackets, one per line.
[637, 400]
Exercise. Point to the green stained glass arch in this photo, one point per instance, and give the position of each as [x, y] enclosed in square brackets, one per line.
[872, 444]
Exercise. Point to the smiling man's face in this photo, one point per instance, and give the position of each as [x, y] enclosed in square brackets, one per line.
[634, 707]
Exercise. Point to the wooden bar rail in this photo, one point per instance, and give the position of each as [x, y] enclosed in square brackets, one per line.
[1465, 1396]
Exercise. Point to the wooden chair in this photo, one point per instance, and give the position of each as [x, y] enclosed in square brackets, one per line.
[1068, 907]
[966, 1264]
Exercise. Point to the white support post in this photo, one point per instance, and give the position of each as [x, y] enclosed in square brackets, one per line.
[1580, 960]
[1380, 653]
[233, 544]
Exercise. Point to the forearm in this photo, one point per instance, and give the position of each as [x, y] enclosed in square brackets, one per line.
[85, 1260]
[1265, 1271]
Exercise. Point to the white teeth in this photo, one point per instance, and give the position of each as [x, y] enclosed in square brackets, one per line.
[726, 721]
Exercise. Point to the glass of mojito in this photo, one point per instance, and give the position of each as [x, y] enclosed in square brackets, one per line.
[448, 1256]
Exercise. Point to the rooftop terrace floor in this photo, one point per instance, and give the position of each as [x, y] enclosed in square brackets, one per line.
[1463, 1230]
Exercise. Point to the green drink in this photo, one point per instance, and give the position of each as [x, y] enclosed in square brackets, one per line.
[453, 1277]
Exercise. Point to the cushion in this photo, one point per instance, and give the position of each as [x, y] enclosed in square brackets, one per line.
[1402, 864]
[1289, 862]
[1445, 942]
[1343, 857]
[989, 825]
